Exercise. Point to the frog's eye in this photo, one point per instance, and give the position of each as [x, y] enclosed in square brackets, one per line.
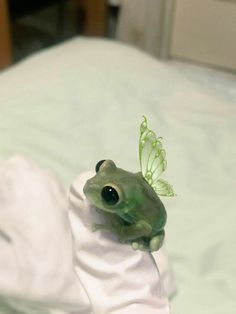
[110, 195]
[98, 165]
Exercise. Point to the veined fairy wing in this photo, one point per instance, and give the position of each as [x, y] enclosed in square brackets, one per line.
[152, 159]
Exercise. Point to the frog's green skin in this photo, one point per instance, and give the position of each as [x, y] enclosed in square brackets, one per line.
[138, 217]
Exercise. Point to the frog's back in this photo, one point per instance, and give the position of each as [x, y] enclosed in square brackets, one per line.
[150, 206]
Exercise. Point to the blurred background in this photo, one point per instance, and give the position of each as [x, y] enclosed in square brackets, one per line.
[196, 31]
[82, 101]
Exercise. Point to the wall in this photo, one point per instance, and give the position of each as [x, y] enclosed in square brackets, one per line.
[204, 31]
[140, 24]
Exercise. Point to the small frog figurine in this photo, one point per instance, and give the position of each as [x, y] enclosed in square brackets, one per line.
[128, 201]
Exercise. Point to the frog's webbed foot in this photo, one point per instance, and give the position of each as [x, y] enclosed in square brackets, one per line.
[140, 245]
[149, 245]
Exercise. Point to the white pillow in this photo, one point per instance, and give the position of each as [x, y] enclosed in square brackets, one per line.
[36, 259]
[117, 279]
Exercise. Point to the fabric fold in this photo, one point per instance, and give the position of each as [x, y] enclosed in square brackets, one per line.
[118, 280]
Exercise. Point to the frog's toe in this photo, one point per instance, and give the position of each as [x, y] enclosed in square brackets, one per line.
[140, 246]
[121, 241]
[143, 247]
[135, 245]
[155, 243]
[94, 227]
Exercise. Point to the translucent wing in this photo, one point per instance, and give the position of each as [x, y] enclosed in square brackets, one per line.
[163, 188]
[152, 158]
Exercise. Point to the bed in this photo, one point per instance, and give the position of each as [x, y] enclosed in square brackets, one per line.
[82, 101]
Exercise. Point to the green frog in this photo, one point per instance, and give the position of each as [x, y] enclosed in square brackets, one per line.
[129, 202]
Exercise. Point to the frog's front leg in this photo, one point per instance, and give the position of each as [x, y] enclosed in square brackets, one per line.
[112, 222]
[106, 226]
[137, 230]
[96, 227]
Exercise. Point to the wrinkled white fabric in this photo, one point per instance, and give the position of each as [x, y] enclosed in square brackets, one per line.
[117, 279]
[37, 271]
[36, 262]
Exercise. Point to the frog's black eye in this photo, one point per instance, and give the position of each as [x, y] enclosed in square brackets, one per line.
[110, 195]
[98, 165]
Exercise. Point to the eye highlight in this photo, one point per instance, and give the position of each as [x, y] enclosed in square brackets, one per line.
[110, 195]
[98, 165]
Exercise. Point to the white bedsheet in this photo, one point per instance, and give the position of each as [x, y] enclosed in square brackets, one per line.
[82, 101]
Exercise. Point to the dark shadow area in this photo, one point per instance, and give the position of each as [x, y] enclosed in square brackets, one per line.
[36, 25]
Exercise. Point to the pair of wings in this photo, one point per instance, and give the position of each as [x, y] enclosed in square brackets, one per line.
[153, 160]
